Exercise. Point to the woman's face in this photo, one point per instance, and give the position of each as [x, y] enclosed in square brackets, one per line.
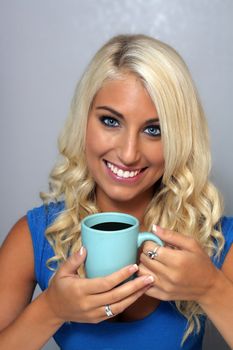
[123, 143]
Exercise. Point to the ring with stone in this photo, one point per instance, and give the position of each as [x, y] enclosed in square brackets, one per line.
[152, 254]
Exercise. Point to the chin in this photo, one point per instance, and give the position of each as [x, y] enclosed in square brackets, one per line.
[124, 197]
[121, 199]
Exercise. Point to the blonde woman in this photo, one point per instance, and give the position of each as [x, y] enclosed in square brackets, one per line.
[135, 141]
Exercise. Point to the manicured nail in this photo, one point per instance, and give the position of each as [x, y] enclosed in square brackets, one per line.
[81, 251]
[149, 279]
[133, 268]
[157, 229]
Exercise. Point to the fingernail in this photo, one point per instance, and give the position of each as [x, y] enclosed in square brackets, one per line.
[133, 268]
[81, 251]
[149, 279]
[157, 229]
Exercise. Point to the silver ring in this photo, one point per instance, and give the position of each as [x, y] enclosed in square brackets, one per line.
[152, 254]
[108, 311]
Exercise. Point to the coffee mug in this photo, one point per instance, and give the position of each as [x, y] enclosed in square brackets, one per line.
[112, 240]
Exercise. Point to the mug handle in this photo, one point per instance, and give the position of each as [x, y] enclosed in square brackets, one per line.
[147, 236]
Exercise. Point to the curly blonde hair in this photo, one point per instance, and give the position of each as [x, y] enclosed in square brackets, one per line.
[185, 200]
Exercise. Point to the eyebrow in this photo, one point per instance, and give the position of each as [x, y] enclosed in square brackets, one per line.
[118, 114]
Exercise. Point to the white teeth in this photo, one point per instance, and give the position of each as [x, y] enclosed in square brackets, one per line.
[121, 173]
[126, 174]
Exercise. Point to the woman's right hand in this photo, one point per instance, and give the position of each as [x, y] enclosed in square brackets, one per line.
[76, 299]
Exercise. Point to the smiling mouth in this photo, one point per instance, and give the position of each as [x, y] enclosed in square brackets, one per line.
[124, 174]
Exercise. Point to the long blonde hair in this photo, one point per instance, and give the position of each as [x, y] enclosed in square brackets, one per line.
[185, 201]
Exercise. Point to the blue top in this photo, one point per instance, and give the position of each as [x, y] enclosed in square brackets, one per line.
[163, 329]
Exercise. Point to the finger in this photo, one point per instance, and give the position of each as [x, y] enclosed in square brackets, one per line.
[160, 283]
[158, 293]
[163, 255]
[70, 266]
[104, 284]
[158, 265]
[152, 251]
[119, 307]
[161, 288]
[144, 271]
[124, 291]
[166, 258]
[176, 239]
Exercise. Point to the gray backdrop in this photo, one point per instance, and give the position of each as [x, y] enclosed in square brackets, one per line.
[44, 47]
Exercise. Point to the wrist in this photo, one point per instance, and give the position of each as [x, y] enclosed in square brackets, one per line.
[214, 292]
[49, 310]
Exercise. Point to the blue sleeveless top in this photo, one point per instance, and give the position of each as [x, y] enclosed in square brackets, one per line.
[163, 329]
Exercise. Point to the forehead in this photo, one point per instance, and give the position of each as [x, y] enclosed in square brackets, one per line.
[126, 92]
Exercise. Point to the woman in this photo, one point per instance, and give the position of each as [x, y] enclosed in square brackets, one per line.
[135, 141]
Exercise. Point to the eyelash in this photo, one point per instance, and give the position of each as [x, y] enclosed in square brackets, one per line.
[156, 128]
[105, 120]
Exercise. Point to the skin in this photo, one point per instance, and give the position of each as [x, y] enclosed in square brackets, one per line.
[127, 146]
[68, 297]
[211, 288]
[126, 141]
[71, 298]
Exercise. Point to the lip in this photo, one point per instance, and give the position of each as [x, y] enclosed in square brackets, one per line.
[122, 179]
[122, 167]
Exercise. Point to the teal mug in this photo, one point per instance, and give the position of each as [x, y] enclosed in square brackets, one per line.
[112, 240]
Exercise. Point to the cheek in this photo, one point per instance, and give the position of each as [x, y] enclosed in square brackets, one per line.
[92, 135]
[97, 145]
[98, 142]
[91, 146]
[156, 157]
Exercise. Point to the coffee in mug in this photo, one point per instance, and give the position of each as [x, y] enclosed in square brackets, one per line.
[112, 240]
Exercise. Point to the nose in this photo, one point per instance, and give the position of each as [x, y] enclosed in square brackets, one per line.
[129, 149]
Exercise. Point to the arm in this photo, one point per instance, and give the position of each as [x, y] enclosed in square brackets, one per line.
[22, 326]
[187, 273]
[28, 325]
[218, 302]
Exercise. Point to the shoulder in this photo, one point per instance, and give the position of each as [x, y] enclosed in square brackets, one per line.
[227, 254]
[26, 239]
[45, 214]
[17, 249]
[227, 225]
[39, 219]
[227, 231]
[18, 231]
[17, 277]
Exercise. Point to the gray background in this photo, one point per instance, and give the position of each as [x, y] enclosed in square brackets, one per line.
[44, 47]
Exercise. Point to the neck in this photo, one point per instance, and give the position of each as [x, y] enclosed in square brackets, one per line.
[135, 207]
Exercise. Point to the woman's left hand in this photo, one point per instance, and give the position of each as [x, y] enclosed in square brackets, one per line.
[182, 269]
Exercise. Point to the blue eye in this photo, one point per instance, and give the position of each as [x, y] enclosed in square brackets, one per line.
[153, 130]
[109, 121]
